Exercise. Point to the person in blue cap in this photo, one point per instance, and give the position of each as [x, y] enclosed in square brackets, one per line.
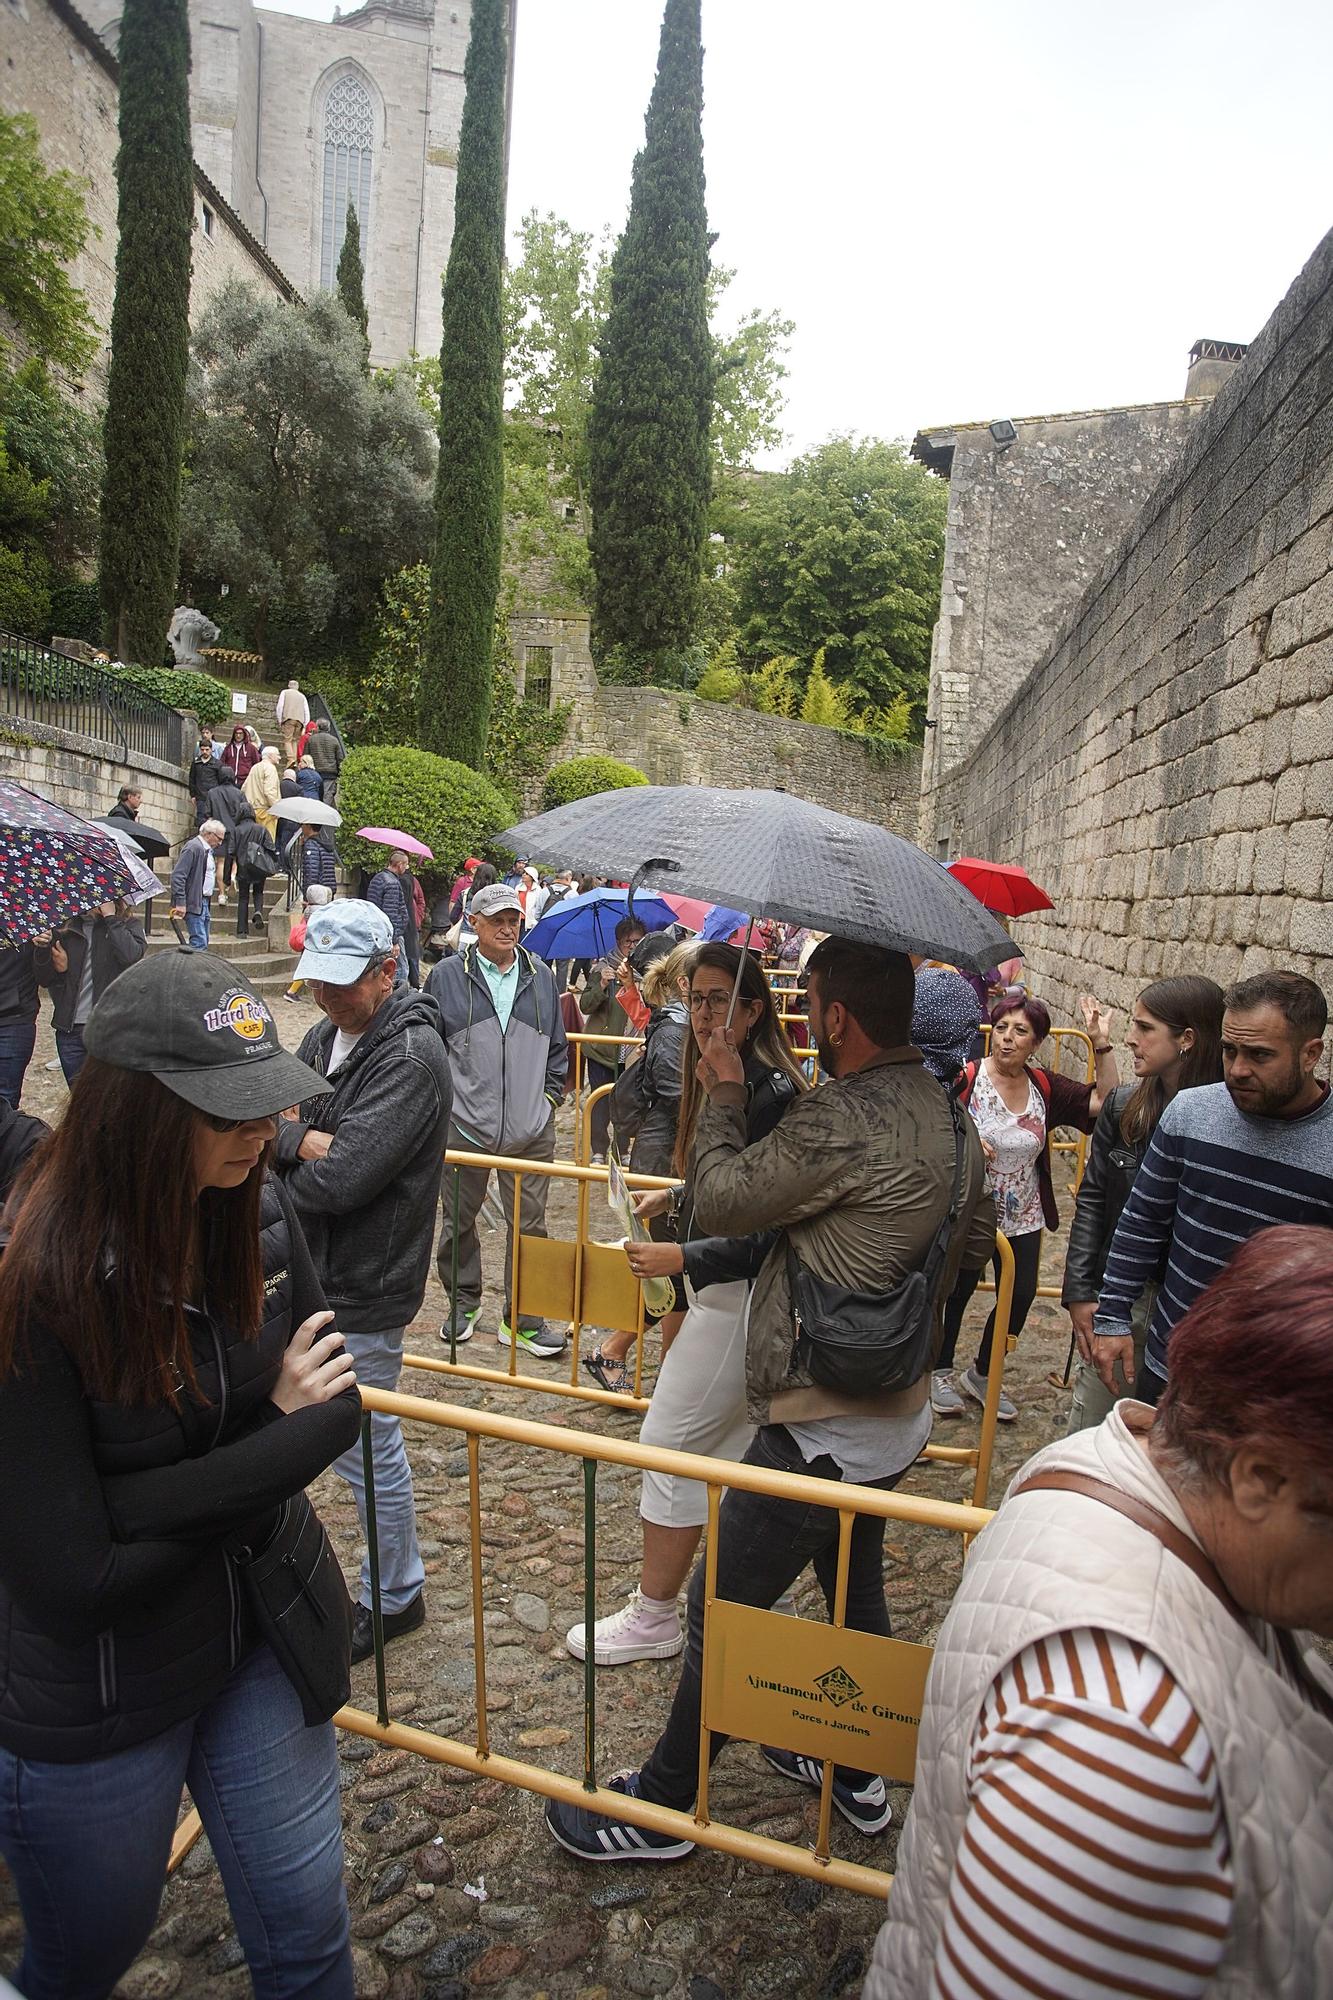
[362, 1166]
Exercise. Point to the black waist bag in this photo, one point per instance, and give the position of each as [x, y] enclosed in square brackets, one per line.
[298, 1598]
[870, 1343]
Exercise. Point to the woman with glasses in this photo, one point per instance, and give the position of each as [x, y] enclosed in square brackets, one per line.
[699, 1399]
[168, 1381]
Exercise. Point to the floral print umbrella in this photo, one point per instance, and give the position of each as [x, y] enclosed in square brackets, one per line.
[54, 866]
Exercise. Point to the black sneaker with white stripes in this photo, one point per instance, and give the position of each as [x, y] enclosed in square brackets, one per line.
[596, 1836]
[866, 1807]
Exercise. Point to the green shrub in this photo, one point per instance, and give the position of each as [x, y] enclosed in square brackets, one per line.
[76, 611]
[179, 688]
[454, 810]
[25, 593]
[583, 777]
[721, 684]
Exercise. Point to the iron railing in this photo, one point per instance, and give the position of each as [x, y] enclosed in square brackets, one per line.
[37, 685]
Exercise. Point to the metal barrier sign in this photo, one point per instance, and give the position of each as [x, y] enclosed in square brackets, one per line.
[824, 1690]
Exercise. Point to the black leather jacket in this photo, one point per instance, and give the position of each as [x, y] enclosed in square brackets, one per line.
[1108, 1176]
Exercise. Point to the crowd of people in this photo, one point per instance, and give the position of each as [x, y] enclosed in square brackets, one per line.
[1124, 1692]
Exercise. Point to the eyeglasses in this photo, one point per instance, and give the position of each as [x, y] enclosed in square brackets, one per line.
[221, 1125]
[713, 1003]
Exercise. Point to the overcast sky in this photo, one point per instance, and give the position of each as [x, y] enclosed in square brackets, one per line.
[981, 209]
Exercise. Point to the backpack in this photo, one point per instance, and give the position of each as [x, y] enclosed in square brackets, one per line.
[965, 1082]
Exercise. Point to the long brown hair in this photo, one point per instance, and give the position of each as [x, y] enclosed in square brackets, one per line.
[767, 1040]
[115, 1187]
[1190, 1001]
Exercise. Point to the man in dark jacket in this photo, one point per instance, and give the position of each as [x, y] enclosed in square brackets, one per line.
[18, 1018]
[509, 1057]
[78, 965]
[204, 774]
[228, 804]
[128, 801]
[326, 754]
[363, 1169]
[389, 892]
[19, 1136]
[192, 881]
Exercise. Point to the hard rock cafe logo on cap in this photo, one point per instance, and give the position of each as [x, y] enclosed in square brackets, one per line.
[242, 1013]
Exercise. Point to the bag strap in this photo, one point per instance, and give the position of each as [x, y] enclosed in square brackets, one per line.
[1144, 1515]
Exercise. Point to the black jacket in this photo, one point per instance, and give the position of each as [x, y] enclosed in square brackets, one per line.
[18, 986]
[205, 772]
[646, 1101]
[120, 1611]
[368, 1207]
[19, 1136]
[121, 811]
[319, 863]
[251, 841]
[118, 942]
[1108, 1176]
[228, 803]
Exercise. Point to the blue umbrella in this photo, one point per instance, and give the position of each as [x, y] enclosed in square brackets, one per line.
[721, 924]
[585, 926]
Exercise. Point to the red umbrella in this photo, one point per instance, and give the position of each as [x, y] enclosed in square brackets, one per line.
[1008, 890]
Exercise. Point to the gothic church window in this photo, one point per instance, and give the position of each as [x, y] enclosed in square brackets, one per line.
[349, 137]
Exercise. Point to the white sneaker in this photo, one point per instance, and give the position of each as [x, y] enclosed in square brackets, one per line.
[635, 1633]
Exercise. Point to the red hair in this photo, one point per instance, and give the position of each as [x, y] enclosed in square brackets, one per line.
[1035, 1012]
[1252, 1360]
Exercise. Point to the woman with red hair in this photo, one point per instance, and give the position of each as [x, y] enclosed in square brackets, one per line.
[1125, 1768]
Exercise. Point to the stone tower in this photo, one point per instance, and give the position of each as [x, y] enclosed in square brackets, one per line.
[294, 119]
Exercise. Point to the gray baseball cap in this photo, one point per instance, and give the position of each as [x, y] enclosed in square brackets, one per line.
[341, 939]
[491, 902]
[190, 1020]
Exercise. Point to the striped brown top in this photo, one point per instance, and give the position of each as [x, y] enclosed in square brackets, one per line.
[1094, 1860]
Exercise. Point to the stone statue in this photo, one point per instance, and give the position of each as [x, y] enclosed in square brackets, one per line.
[190, 630]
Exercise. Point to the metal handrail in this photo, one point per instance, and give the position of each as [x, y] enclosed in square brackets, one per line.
[39, 685]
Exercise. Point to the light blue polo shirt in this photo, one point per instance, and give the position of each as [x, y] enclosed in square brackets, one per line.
[503, 987]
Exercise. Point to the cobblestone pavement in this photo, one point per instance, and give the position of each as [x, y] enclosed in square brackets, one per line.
[420, 1836]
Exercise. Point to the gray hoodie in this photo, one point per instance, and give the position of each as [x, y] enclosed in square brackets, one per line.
[506, 1085]
[368, 1208]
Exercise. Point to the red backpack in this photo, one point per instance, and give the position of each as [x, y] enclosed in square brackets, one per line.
[965, 1081]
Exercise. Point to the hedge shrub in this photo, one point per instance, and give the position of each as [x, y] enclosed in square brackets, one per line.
[179, 688]
[582, 777]
[453, 809]
[76, 611]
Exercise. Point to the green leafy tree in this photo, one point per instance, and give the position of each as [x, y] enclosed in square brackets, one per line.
[352, 279]
[844, 553]
[651, 417]
[150, 330]
[452, 808]
[43, 225]
[469, 486]
[309, 484]
[59, 443]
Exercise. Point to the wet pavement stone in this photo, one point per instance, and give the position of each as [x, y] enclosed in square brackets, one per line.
[420, 1834]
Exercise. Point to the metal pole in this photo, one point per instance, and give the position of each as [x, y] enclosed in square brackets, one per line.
[453, 1268]
[373, 1552]
[589, 1620]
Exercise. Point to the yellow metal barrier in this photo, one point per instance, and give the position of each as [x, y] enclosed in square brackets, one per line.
[739, 1643]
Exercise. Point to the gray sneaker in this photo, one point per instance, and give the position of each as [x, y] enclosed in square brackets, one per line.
[542, 1340]
[974, 1385]
[945, 1400]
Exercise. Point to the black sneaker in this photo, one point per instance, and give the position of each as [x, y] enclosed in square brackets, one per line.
[396, 1625]
[595, 1836]
[866, 1808]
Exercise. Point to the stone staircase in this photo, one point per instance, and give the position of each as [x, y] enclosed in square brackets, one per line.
[267, 969]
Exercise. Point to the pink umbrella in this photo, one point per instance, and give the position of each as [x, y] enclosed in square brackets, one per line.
[689, 910]
[390, 836]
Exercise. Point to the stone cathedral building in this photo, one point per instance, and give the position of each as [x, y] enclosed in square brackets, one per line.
[293, 119]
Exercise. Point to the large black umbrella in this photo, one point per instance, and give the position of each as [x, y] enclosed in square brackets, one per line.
[150, 841]
[772, 855]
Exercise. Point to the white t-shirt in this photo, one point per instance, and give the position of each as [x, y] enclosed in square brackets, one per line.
[342, 1048]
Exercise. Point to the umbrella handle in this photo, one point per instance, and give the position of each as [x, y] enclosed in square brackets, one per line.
[740, 967]
[636, 882]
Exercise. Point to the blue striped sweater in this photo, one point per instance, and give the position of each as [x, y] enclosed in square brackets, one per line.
[1211, 1178]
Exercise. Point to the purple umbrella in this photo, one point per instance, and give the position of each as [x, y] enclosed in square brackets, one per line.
[54, 866]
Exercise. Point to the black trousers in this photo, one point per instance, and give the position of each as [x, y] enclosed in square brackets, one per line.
[251, 887]
[1027, 1262]
[763, 1544]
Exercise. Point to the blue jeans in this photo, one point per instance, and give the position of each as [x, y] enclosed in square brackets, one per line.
[87, 1845]
[197, 928]
[16, 1046]
[378, 1358]
[70, 1049]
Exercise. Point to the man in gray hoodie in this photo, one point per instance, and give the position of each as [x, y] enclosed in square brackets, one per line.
[509, 1057]
[362, 1166]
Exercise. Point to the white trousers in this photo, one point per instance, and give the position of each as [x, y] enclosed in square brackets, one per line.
[699, 1402]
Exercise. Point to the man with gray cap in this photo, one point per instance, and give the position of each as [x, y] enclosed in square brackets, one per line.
[362, 1166]
[509, 1057]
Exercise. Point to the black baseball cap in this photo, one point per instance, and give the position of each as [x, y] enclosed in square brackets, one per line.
[190, 1020]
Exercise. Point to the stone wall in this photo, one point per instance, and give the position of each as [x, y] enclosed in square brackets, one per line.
[1030, 523]
[1167, 768]
[676, 740]
[53, 66]
[74, 772]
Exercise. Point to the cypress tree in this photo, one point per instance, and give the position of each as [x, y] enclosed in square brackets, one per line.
[648, 430]
[455, 695]
[352, 278]
[150, 331]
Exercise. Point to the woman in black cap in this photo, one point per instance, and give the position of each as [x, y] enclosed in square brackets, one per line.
[169, 1384]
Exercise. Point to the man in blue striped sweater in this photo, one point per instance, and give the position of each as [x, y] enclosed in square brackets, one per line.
[1225, 1161]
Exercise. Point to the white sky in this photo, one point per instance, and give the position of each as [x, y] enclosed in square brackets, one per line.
[972, 208]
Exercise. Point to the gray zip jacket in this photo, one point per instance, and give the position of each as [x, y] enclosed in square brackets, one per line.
[368, 1207]
[506, 1084]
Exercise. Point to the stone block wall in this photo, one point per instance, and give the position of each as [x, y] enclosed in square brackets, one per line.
[1166, 770]
[76, 773]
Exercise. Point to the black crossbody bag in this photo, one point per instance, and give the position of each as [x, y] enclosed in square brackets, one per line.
[298, 1599]
[871, 1343]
